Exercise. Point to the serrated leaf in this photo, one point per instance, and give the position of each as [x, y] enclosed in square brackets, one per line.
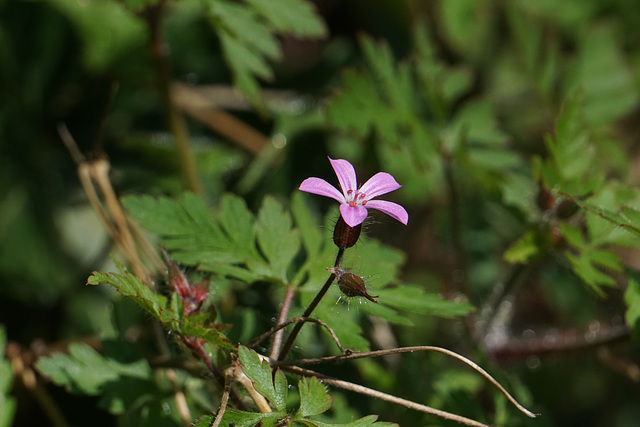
[314, 399]
[85, 371]
[414, 300]
[590, 264]
[607, 81]
[247, 32]
[130, 286]
[278, 242]
[260, 373]
[628, 219]
[237, 222]
[297, 17]
[157, 305]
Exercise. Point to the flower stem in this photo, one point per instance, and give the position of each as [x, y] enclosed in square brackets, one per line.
[312, 306]
[284, 312]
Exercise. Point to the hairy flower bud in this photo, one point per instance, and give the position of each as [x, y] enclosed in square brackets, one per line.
[351, 284]
[566, 209]
[345, 236]
[545, 199]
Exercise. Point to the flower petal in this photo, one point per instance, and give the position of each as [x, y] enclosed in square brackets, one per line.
[346, 175]
[321, 187]
[378, 184]
[394, 210]
[353, 215]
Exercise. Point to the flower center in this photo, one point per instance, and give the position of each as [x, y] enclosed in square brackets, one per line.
[356, 198]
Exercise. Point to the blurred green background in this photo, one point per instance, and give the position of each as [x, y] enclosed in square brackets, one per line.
[89, 65]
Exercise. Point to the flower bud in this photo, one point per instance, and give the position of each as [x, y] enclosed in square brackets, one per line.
[345, 236]
[545, 199]
[352, 285]
[566, 209]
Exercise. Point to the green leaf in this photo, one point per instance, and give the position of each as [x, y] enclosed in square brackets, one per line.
[224, 242]
[157, 305]
[608, 82]
[260, 373]
[277, 241]
[626, 217]
[309, 228]
[297, 17]
[85, 371]
[575, 165]
[413, 299]
[525, 249]
[242, 419]
[314, 398]
[238, 223]
[247, 34]
[590, 263]
[107, 29]
[632, 300]
[7, 404]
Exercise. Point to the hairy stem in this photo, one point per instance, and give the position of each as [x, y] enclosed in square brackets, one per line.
[312, 306]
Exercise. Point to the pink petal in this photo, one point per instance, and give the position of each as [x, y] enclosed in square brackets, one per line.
[321, 187]
[346, 175]
[378, 184]
[353, 215]
[394, 210]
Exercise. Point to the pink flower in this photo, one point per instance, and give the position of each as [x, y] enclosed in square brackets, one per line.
[355, 201]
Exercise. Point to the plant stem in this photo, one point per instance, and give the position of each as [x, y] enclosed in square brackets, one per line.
[284, 312]
[199, 350]
[384, 396]
[175, 119]
[312, 306]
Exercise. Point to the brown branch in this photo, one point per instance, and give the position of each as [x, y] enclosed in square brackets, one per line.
[192, 102]
[384, 396]
[562, 342]
[228, 374]
[378, 353]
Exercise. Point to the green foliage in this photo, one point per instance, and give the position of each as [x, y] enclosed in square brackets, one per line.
[632, 300]
[7, 404]
[452, 97]
[169, 313]
[85, 371]
[273, 387]
[106, 28]
[231, 241]
[415, 135]
[314, 399]
[247, 35]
